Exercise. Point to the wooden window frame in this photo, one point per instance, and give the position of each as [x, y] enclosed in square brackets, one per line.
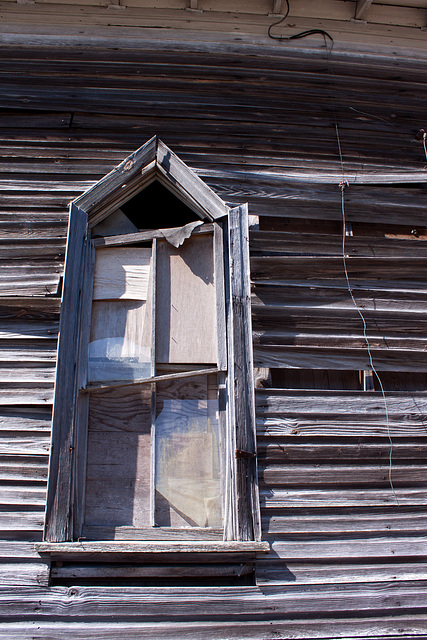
[66, 483]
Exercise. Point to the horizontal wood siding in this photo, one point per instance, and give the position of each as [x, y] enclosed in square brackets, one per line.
[342, 470]
[346, 560]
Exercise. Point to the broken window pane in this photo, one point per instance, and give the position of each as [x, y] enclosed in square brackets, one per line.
[119, 347]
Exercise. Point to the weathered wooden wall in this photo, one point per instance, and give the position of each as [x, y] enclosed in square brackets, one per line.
[258, 126]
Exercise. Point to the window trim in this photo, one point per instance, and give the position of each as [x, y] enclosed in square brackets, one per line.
[69, 429]
[102, 550]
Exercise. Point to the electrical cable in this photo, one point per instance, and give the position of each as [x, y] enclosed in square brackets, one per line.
[309, 32]
[342, 186]
[340, 152]
[297, 36]
[288, 8]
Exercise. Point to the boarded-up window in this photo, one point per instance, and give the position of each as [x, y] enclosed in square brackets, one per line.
[154, 448]
[120, 340]
[154, 416]
[185, 302]
[118, 459]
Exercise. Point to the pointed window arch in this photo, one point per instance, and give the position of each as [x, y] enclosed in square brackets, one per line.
[153, 431]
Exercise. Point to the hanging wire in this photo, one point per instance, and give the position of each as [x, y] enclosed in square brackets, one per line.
[342, 186]
[297, 36]
[288, 8]
[343, 183]
[424, 144]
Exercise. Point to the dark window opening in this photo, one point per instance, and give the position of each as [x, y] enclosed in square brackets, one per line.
[337, 380]
[69, 574]
[401, 381]
[155, 203]
[341, 380]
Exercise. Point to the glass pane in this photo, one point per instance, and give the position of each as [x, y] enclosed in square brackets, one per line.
[119, 347]
[187, 451]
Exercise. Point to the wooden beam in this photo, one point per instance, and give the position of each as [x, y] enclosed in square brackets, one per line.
[361, 9]
[124, 571]
[130, 168]
[194, 373]
[244, 505]
[277, 7]
[146, 236]
[59, 511]
[189, 188]
[153, 546]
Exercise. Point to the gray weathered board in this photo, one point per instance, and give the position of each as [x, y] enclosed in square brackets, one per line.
[347, 560]
[185, 302]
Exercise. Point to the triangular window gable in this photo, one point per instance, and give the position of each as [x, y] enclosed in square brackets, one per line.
[153, 427]
[154, 161]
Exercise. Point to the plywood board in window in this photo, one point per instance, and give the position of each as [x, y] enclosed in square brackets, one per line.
[118, 458]
[186, 304]
[122, 273]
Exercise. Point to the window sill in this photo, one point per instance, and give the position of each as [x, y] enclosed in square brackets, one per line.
[104, 549]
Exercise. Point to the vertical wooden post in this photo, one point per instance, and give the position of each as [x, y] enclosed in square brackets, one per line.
[221, 330]
[153, 386]
[59, 511]
[241, 396]
[362, 7]
[82, 414]
[226, 404]
[277, 7]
